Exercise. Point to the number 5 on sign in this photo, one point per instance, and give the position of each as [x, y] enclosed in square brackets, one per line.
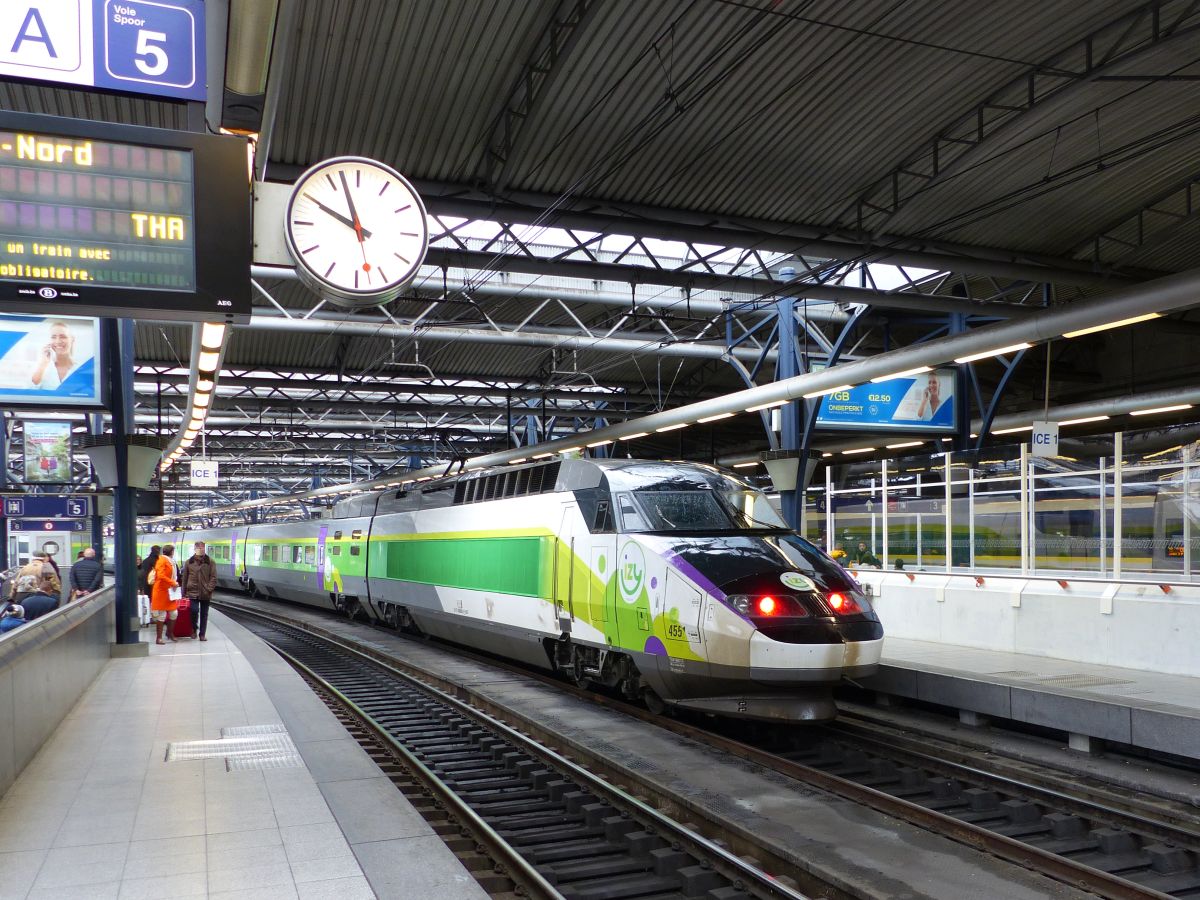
[154, 42]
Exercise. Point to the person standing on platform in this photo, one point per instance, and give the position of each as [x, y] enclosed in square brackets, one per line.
[44, 574]
[87, 575]
[145, 568]
[35, 597]
[164, 608]
[199, 582]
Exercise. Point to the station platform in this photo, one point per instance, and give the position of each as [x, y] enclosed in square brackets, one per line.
[1151, 710]
[141, 791]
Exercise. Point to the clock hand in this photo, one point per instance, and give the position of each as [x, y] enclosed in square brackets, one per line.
[337, 215]
[357, 225]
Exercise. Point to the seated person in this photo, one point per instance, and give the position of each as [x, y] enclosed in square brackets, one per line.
[12, 617]
[34, 597]
[899, 564]
[839, 552]
[865, 557]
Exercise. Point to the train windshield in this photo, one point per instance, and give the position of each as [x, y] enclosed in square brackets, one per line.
[651, 498]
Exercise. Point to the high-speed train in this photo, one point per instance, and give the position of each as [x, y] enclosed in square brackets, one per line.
[673, 582]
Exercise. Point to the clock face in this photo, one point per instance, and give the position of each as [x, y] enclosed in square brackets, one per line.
[356, 230]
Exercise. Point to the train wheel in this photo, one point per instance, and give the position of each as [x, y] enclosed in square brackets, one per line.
[580, 680]
[653, 702]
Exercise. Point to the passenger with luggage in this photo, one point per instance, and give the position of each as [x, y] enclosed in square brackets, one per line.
[36, 600]
[199, 582]
[87, 575]
[12, 617]
[164, 594]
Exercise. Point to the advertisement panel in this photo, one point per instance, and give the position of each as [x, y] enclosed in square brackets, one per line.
[917, 403]
[49, 361]
[47, 452]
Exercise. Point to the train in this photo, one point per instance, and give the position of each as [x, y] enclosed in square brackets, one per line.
[673, 583]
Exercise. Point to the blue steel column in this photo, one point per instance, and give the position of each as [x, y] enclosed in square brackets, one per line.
[791, 414]
[117, 341]
[3, 486]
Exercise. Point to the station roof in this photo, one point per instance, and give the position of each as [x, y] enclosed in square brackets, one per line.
[1005, 155]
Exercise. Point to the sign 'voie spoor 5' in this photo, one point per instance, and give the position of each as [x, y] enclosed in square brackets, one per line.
[122, 221]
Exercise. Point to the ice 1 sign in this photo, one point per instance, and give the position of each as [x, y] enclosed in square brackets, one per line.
[134, 46]
[122, 221]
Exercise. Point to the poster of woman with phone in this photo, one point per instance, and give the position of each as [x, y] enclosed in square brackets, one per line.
[930, 398]
[56, 360]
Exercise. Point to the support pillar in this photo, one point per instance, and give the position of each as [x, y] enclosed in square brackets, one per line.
[791, 414]
[96, 427]
[117, 342]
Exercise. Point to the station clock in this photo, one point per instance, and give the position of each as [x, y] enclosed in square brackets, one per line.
[356, 230]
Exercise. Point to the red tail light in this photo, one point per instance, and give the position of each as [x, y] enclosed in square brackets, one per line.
[767, 606]
[843, 605]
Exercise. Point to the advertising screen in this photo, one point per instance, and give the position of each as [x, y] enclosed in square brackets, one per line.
[47, 452]
[103, 219]
[49, 361]
[917, 403]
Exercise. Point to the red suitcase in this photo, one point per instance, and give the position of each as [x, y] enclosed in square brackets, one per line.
[183, 623]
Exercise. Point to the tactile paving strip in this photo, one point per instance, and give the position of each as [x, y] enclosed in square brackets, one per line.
[243, 747]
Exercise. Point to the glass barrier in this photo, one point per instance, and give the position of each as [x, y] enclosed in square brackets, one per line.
[1005, 511]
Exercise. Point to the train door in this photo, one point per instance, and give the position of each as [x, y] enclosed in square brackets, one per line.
[602, 593]
[566, 588]
[678, 608]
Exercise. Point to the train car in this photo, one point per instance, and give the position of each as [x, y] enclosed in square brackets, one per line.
[671, 582]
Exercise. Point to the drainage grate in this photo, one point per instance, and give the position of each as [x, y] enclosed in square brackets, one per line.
[1016, 673]
[1079, 681]
[243, 747]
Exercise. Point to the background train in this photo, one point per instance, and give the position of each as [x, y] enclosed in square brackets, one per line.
[672, 582]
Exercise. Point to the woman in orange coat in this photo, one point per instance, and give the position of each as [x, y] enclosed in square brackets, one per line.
[162, 608]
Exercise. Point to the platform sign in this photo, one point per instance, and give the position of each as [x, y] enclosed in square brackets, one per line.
[29, 525]
[47, 452]
[205, 473]
[917, 403]
[49, 361]
[155, 48]
[1044, 439]
[44, 506]
[122, 221]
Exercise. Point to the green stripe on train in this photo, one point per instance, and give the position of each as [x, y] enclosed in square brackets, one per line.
[510, 565]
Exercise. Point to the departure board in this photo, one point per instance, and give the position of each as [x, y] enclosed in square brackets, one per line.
[78, 211]
[101, 219]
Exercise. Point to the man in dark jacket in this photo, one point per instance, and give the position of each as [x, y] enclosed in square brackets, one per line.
[199, 581]
[87, 574]
[35, 598]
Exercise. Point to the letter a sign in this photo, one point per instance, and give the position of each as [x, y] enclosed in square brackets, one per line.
[138, 46]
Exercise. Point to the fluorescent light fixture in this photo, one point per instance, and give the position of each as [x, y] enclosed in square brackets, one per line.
[823, 455]
[542, 455]
[1132, 320]
[745, 465]
[212, 335]
[919, 370]
[858, 450]
[1084, 420]
[571, 449]
[718, 416]
[903, 445]
[946, 440]
[600, 444]
[1012, 430]
[632, 437]
[674, 427]
[513, 462]
[770, 405]
[832, 390]
[1161, 409]
[208, 361]
[988, 354]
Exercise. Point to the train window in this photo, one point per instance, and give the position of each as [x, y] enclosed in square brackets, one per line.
[310, 554]
[297, 553]
[355, 550]
[337, 535]
[335, 550]
[256, 553]
[603, 523]
[356, 534]
[631, 519]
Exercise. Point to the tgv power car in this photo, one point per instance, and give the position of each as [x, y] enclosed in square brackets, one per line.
[672, 582]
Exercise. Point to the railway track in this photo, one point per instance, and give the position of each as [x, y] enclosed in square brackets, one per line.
[1118, 849]
[551, 827]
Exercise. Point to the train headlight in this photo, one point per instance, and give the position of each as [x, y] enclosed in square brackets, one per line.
[740, 602]
[766, 606]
